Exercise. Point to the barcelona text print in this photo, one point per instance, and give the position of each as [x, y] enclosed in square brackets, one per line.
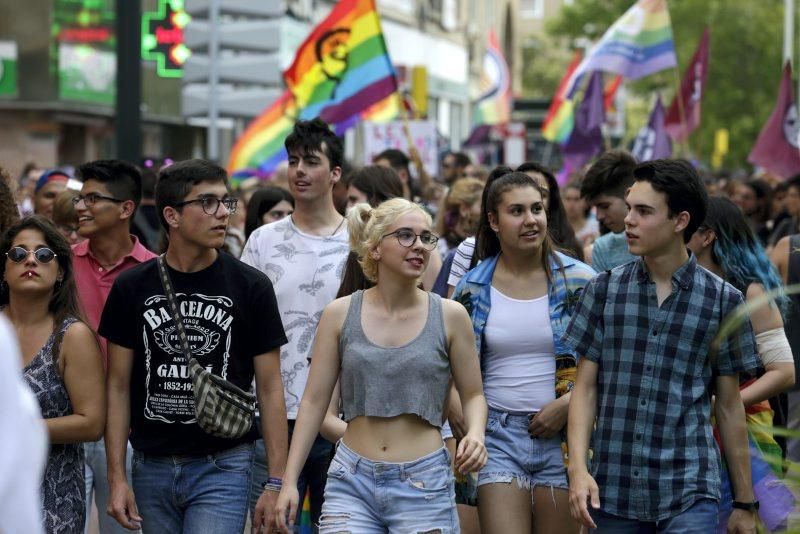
[207, 321]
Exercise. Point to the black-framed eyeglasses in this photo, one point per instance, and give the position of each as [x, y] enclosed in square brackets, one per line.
[407, 238]
[211, 204]
[41, 255]
[90, 199]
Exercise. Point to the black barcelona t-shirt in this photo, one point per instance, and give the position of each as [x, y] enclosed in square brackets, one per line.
[230, 315]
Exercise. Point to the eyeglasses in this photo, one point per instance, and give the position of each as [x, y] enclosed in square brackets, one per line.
[211, 204]
[90, 199]
[407, 238]
[42, 255]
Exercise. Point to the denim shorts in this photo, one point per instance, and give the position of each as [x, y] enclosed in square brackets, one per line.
[366, 496]
[514, 454]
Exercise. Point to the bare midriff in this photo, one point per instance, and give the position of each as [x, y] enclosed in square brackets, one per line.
[402, 438]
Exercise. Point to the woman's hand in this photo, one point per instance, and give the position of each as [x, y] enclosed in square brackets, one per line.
[471, 454]
[286, 506]
[551, 420]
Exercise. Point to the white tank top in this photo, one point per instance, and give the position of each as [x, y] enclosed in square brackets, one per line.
[519, 369]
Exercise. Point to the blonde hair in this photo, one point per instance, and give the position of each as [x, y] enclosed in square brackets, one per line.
[367, 225]
[464, 192]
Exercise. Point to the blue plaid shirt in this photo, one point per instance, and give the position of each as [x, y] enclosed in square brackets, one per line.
[654, 451]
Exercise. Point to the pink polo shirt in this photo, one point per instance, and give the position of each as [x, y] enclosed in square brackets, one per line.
[94, 281]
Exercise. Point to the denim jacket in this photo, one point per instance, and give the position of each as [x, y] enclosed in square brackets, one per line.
[568, 280]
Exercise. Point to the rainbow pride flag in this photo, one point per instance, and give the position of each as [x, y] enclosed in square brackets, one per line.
[560, 117]
[259, 150]
[493, 106]
[638, 44]
[343, 67]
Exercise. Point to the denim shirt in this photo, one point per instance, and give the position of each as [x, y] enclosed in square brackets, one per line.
[563, 292]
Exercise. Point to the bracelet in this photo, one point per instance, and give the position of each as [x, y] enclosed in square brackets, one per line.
[272, 484]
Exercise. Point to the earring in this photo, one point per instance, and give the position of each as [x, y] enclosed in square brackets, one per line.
[3, 287]
[58, 284]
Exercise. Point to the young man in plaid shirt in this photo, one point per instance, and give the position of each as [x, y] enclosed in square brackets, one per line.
[647, 374]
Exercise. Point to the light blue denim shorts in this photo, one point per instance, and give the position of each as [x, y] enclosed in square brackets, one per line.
[366, 496]
[514, 454]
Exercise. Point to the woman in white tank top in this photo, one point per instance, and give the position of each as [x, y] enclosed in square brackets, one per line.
[391, 472]
[521, 297]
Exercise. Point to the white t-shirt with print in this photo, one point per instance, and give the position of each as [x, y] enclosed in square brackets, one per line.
[305, 271]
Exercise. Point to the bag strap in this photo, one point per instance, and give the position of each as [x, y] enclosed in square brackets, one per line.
[173, 307]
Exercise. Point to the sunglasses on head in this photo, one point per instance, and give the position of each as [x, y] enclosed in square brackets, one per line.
[42, 255]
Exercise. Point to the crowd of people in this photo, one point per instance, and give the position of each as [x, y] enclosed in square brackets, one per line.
[479, 353]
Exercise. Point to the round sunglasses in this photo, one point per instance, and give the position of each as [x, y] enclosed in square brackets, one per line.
[42, 255]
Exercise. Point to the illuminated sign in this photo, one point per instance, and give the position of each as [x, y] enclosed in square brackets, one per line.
[83, 50]
[162, 38]
[84, 22]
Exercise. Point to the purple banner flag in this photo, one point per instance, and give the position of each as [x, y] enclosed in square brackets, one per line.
[586, 139]
[652, 141]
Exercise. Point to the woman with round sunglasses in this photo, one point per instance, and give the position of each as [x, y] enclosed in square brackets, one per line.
[61, 360]
[393, 348]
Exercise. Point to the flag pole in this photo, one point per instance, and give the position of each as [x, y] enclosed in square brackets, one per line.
[681, 112]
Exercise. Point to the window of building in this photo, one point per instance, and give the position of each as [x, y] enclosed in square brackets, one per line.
[532, 9]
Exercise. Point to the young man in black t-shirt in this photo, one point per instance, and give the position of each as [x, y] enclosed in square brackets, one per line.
[182, 478]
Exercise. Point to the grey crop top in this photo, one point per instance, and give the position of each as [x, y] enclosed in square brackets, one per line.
[389, 381]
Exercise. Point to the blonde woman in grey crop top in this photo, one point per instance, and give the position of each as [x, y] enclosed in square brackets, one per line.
[393, 348]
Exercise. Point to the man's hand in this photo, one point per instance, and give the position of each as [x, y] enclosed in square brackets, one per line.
[122, 506]
[264, 515]
[456, 420]
[742, 522]
[550, 421]
[583, 489]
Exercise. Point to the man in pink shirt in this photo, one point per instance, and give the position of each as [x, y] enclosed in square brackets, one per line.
[106, 205]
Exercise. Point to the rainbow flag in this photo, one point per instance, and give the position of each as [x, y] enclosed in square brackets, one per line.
[638, 44]
[560, 117]
[259, 150]
[493, 106]
[343, 67]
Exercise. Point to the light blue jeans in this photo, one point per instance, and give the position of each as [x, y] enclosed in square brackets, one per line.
[193, 494]
[515, 455]
[366, 496]
[700, 518]
[96, 476]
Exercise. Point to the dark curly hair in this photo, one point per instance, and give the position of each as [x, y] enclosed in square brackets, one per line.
[64, 301]
[9, 214]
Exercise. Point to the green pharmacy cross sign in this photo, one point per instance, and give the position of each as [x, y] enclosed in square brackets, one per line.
[162, 38]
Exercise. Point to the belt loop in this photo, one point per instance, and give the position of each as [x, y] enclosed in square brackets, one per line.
[504, 419]
[354, 468]
[402, 472]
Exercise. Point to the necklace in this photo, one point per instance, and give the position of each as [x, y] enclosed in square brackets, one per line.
[291, 217]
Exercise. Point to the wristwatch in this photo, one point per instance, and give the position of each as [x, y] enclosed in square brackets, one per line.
[749, 506]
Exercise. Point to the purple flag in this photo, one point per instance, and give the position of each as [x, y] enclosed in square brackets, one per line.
[586, 139]
[652, 141]
[776, 148]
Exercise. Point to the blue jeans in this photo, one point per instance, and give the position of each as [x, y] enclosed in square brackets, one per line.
[515, 455]
[367, 496]
[312, 477]
[700, 518]
[193, 494]
[96, 477]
